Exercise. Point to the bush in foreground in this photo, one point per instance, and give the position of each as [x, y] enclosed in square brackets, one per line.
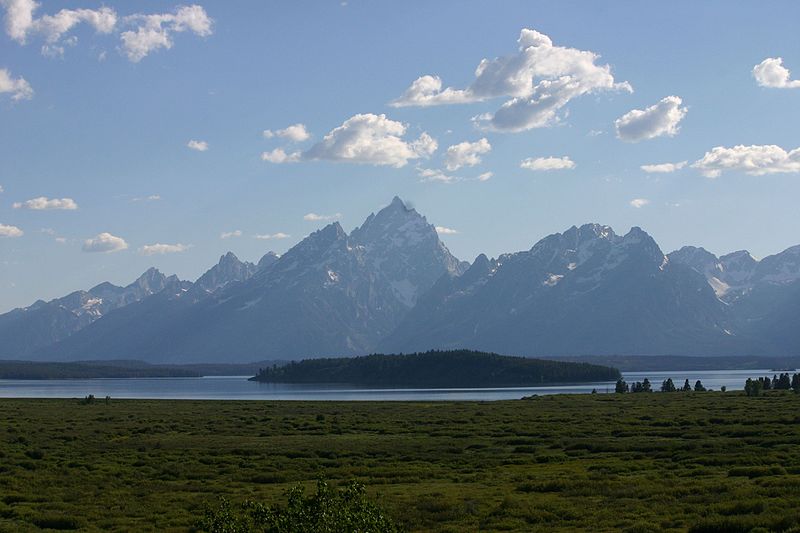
[344, 510]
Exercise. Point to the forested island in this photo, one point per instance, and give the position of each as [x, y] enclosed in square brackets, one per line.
[437, 369]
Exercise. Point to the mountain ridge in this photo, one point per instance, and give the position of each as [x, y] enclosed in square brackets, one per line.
[392, 285]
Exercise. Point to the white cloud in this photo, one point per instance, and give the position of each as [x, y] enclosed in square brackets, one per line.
[18, 88]
[639, 203]
[156, 31]
[161, 249]
[441, 230]
[271, 236]
[199, 146]
[230, 234]
[61, 240]
[547, 163]
[540, 80]
[657, 120]
[755, 160]
[771, 73]
[663, 168]
[11, 232]
[1, 189]
[21, 22]
[294, 133]
[151, 198]
[43, 203]
[104, 242]
[466, 154]
[433, 174]
[486, 176]
[313, 217]
[373, 140]
[278, 155]
[150, 31]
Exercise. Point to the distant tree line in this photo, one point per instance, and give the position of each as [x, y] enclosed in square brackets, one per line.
[754, 387]
[666, 386]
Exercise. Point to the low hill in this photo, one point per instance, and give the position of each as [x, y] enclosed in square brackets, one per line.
[450, 369]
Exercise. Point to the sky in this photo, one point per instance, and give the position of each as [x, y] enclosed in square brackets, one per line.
[138, 134]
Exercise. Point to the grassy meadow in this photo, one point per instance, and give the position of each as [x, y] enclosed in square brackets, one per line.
[634, 462]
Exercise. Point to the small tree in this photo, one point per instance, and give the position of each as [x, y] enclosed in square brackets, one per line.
[753, 387]
[723, 388]
[668, 386]
[796, 383]
[686, 386]
[646, 386]
[698, 386]
[622, 387]
[766, 383]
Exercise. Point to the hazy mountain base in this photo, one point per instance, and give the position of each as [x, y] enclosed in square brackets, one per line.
[635, 462]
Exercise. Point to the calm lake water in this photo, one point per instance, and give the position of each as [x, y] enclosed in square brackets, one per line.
[238, 388]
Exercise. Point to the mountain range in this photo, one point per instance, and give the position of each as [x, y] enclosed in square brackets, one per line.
[392, 286]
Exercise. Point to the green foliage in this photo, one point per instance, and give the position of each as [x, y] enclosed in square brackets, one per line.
[456, 368]
[592, 462]
[668, 386]
[345, 510]
[698, 386]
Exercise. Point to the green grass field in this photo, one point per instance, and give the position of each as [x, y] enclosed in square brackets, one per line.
[636, 462]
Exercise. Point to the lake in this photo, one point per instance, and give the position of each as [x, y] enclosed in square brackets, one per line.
[239, 388]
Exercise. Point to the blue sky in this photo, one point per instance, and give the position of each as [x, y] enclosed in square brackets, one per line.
[95, 119]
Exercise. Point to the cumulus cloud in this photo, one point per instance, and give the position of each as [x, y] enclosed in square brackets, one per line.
[42, 203]
[198, 146]
[314, 217]
[279, 155]
[18, 88]
[639, 203]
[161, 249]
[157, 31]
[755, 160]
[547, 163]
[149, 31]
[540, 80]
[663, 168]
[271, 236]
[294, 133]
[771, 73]
[21, 22]
[466, 154]
[660, 119]
[373, 140]
[441, 230]
[105, 243]
[10, 232]
[230, 234]
[486, 176]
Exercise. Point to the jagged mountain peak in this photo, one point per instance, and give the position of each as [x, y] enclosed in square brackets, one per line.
[267, 260]
[151, 280]
[229, 268]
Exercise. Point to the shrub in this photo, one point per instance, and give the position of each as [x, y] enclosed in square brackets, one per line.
[344, 510]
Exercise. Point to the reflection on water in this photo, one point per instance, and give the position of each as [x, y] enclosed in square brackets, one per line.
[238, 388]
